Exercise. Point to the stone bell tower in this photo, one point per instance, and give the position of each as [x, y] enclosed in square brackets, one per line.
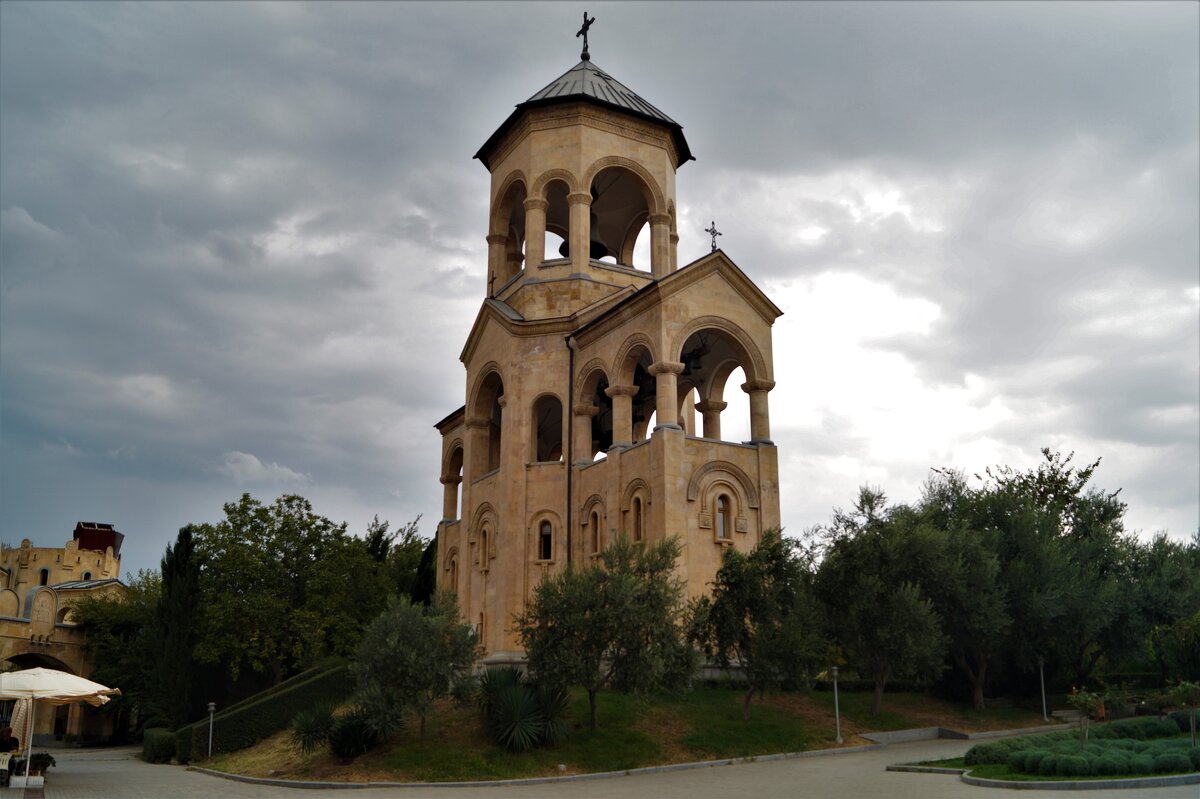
[586, 366]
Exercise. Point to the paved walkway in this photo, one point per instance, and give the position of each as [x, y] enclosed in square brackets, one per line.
[118, 774]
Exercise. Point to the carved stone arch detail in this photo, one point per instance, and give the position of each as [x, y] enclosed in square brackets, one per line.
[656, 201]
[450, 556]
[484, 513]
[635, 486]
[501, 209]
[544, 180]
[714, 471]
[756, 369]
[671, 213]
[627, 347]
[537, 517]
[592, 503]
[585, 374]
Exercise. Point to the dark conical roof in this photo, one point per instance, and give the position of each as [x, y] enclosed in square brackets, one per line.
[588, 83]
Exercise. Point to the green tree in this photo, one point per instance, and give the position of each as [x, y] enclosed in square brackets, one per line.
[404, 558]
[967, 591]
[177, 613]
[876, 610]
[425, 584]
[121, 638]
[281, 587]
[761, 616]
[613, 623]
[410, 655]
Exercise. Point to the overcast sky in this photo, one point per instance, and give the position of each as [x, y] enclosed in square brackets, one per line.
[243, 244]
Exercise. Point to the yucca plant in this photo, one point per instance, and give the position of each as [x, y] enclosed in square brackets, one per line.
[352, 735]
[516, 720]
[311, 727]
[553, 703]
[492, 681]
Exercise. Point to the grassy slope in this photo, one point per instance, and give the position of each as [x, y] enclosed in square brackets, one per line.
[632, 731]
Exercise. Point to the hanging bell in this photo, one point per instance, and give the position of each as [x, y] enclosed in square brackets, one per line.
[597, 249]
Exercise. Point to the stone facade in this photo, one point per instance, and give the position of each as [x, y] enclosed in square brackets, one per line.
[586, 374]
[38, 585]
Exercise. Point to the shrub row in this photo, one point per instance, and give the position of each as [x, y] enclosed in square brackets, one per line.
[158, 745]
[1162, 757]
[1123, 732]
[250, 722]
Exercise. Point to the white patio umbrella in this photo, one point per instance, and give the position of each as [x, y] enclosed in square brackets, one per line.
[53, 688]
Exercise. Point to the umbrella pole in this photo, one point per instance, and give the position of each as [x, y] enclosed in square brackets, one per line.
[29, 743]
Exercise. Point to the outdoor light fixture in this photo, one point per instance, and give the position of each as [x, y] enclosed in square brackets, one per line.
[837, 712]
[212, 707]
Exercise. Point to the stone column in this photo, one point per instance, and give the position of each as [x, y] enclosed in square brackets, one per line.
[476, 460]
[581, 438]
[580, 234]
[666, 407]
[711, 411]
[660, 244]
[497, 260]
[450, 497]
[622, 397]
[674, 251]
[535, 231]
[760, 417]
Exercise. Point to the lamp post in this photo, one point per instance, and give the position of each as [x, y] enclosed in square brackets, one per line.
[212, 707]
[837, 711]
[1042, 679]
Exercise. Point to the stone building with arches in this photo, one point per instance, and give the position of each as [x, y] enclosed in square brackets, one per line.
[38, 586]
[597, 372]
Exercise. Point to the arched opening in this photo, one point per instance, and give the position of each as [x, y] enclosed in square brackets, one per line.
[545, 545]
[509, 223]
[63, 616]
[558, 219]
[452, 476]
[599, 434]
[486, 422]
[485, 546]
[87, 575]
[635, 371]
[724, 525]
[547, 429]
[621, 204]
[594, 532]
[715, 365]
[43, 577]
[638, 522]
[452, 572]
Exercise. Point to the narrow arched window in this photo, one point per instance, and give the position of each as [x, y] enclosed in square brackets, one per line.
[453, 574]
[485, 536]
[595, 523]
[45, 576]
[637, 518]
[723, 516]
[87, 575]
[545, 541]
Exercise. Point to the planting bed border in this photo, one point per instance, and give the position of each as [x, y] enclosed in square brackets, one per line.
[1084, 785]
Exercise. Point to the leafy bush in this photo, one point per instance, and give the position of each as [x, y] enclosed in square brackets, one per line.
[158, 746]
[1194, 757]
[251, 721]
[1048, 765]
[1172, 761]
[1141, 764]
[352, 735]
[1072, 766]
[988, 753]
[1182, 719]
[310, 728]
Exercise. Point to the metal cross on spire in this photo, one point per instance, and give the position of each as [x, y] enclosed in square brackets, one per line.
[587, 23]
[712, 231]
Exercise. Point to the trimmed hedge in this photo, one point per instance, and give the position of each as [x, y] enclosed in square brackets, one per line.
[158, 745]
[320, 667]
[249, 722]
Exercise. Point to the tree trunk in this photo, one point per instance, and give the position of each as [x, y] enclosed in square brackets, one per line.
[746, 704]
[877, 702]
[980, 679]
[592, 706]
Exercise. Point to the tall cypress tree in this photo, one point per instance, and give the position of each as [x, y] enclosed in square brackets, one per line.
[178, 608]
